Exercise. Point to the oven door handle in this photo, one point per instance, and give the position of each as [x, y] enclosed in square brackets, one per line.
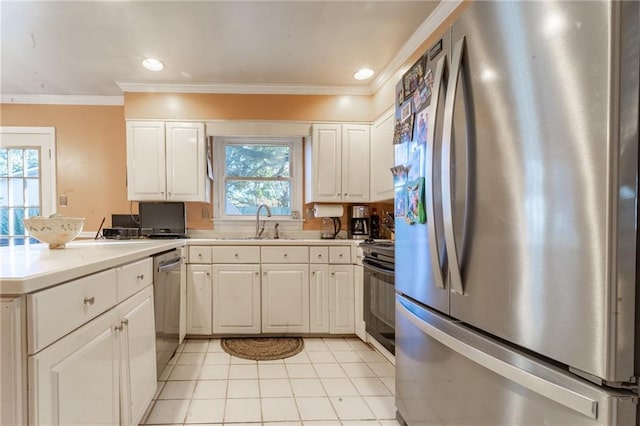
[372, 266]
[164, 267]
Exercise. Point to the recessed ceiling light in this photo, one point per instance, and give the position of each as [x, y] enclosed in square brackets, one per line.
[152, 64]
[363, 74]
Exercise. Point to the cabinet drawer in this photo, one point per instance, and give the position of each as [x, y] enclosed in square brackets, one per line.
[285, 254]
[318, 254]
[200, 254]
[339, 254]
[134, 277]
[55, 312]
[236, 254]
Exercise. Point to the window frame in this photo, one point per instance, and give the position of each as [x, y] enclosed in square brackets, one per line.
[47, 147]
[220, 144]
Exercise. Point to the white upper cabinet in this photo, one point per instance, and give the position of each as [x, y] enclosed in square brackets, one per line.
[355, 163]
[166, 161]
[382, 157]
[337, 163]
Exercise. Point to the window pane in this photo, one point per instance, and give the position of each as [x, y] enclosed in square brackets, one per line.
[244, 197]
[18, 226]
[4, 221]
[4, 162]
[16, 192]
[16, 162]
[33, 162]
[257, 161]
[33, 192]
[4, 192]
[33, 212]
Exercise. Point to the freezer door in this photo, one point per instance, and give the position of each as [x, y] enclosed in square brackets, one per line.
[421, 259]
[540, 164]
[449, 375]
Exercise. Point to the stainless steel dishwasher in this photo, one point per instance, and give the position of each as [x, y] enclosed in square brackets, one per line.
[167, 294]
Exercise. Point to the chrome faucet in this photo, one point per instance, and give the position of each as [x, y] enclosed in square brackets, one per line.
[259, 230]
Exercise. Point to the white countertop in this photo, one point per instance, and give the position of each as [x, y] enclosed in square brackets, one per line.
[25, 269]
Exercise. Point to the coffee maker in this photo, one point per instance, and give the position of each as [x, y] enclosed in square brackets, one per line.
[359, 222]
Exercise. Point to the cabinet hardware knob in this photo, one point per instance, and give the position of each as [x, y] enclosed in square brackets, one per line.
[89, 300]
[140, 277]
[208, 274]
[313, 273]
[119, 327]
[125, 321]
[199, 254]
[285, 255]
[340, 255]
[333, 274]
[319, 255]
[236, 255]
[257, 273]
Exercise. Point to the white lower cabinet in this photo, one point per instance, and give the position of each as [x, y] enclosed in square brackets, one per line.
[102, 373]
[236, 299]
[319, 298]
[76, 380]
[285, 298]
[199, 299]
[358, 282]
[138, 355]
[341, 299]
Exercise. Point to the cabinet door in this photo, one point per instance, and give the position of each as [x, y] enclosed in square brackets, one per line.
[285, 298]
[146, 171]
[236, 299]
[341, 299]
[323, 156]
[319, 298]
[186, 162]
[199, 299]
[358, 282]
[138, 355]
[355, 163]
[382, 157]
[75, 381]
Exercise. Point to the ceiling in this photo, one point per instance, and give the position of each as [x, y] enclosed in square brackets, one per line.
[88, 47]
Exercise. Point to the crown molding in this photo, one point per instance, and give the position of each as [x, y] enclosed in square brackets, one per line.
[238, 88]
[433, 21]
[62, 100]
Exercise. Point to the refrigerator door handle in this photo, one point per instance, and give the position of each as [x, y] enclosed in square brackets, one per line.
[447, 141]
[569, 398]
[436, 265]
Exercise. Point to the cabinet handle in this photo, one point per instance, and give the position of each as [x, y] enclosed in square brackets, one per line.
[258, 273]
[285, 255]
[124, 322]
[333, 274]
[320, 256]
[313, 273]
[119, 327]
[89, 300]
[340, 255]
[199, 254]
[208, 274]
[345, 194]
[236, 255]
[140, 277]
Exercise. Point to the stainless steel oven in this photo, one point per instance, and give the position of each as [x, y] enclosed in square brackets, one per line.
[167, 290]
[379, 292]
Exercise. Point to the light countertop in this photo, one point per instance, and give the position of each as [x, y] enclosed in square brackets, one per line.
[25, 269]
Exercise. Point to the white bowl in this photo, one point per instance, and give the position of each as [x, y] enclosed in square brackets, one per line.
[55, 231]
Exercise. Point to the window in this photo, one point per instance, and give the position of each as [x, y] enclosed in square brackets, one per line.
[26, 180]
[257, 170]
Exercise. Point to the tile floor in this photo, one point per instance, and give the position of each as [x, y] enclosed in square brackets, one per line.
[333, 381]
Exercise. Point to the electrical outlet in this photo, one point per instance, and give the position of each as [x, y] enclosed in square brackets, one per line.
[63, 201]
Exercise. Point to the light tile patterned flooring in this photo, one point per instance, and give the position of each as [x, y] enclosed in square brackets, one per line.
[333, 381]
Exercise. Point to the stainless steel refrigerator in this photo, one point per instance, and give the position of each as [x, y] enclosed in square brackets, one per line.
[517, 218]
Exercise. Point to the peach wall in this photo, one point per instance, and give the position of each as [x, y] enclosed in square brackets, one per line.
[90, 155]
[195, 106]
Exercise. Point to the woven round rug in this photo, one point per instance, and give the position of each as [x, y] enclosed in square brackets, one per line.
[262, 348]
